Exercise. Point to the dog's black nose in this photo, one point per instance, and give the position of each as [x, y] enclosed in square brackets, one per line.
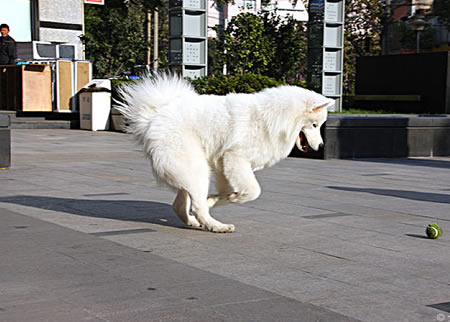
[321, 146]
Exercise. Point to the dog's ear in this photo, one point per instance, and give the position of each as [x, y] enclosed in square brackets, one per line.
[323, 104]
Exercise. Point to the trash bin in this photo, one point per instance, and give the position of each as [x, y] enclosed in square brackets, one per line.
[95, 105]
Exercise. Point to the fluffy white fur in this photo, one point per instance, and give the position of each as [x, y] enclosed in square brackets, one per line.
[186, 136]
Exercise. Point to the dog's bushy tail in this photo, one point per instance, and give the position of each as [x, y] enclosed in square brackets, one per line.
[140, 101]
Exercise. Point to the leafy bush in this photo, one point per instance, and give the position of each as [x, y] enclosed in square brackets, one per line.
[223, 84]
[115, 85]
[118, 82]
[246, 83]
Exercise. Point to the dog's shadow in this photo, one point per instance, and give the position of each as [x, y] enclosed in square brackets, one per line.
[127, 210]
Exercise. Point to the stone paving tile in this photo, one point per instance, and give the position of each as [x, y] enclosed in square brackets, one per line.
[66, 282]
[346, 235]
[272, 310]
[44, 311]
[374, 306]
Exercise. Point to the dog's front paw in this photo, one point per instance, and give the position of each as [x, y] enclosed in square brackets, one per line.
[223, 228]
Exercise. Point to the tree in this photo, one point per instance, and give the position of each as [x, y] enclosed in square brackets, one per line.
[264, 44]
[246, 46]
[406, 37]
[441, 9]
[114, 36]
[290, 40]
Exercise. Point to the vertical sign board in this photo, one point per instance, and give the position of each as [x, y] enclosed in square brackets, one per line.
[188, 31]
[326, 48]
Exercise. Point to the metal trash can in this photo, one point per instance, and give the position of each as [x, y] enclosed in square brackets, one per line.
[95, 105]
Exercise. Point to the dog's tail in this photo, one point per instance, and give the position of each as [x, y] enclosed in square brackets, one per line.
[140, 101]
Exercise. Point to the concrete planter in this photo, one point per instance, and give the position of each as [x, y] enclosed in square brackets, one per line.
[5, 141]
[118, 122]
[383, 137]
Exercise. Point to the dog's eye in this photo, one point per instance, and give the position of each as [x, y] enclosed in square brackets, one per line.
[314, 125]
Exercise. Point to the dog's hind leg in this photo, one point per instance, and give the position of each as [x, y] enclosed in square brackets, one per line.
[188, 172]
[241, 178]
[182, 206]
[197, 187]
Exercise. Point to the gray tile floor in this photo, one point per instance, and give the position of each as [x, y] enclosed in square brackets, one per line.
[86, 233]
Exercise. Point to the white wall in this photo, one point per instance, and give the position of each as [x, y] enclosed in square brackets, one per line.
[16, 13]
[62, 11]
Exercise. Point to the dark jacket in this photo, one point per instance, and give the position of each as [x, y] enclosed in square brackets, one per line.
[7, 50]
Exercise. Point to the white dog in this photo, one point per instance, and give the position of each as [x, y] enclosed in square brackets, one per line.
[186, 135]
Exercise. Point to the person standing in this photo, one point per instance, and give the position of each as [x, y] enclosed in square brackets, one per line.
[7, 46]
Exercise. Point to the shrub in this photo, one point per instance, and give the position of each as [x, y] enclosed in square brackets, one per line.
[246, 83]
[115, 85]
[224, 84]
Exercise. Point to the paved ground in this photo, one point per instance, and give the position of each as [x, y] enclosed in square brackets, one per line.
[87, 234]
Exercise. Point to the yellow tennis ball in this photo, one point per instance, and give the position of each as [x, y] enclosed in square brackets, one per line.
[433, 231]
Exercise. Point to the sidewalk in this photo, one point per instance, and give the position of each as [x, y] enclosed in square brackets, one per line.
[87, 234]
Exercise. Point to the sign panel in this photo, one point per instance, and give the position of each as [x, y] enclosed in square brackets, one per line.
[193, 4]
[194, 24]
[332, 36]
[192, 53]
[332, 12]
[331, 61]
[188, 42]
[330, 85]
[325, 48]
[101, 2]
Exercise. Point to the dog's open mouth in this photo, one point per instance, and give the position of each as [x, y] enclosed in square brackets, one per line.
[303, 142]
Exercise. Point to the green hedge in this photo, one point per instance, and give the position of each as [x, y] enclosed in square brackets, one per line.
[224, 84]
[246, 83]
[115, 85]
